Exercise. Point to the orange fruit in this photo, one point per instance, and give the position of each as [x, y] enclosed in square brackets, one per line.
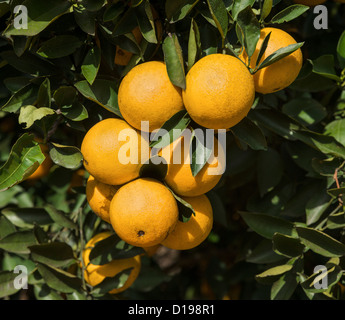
[143, 212]
[95, 274]
[77, 179]
[123, 56]
[98, 196]
[146, 94]
[280, 74]
[112, 151]
[179, 176]
[219, 91]
[190, 234]
[44, 168]
[150, 251]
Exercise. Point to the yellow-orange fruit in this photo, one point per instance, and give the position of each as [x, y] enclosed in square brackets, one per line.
[280, 74]
[99, 196]
[190, 234]
[95, 274]
[219, 91]
[147, 94]
[143, 212]
[179, 175]
[114, 152]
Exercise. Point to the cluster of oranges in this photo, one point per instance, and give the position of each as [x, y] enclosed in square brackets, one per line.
[143, 212]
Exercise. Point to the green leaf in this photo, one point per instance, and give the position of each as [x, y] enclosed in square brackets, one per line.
[219, 15]
[341, 50]
[29, 114]
[18, 242]
[60, 218]
[112, 248]
[178, 9]
[68, 157]
[279, 54]
[44, 94]
[218, 208]
[273, 274]
[85, 19]
[194, 45]
[170, 130]
[336, 129]
[248, 132]
[6, 227]
[307, 111]
[25, 96]
[266, 225]
[263, 253]
[263, 48]
[91, 64]
[58, 279]
[289, 13]
[111, 283]
[24, 159]
[43, 292]
[7, 283]
[284, 287]
[250, 28]
[270, 169]
[239, 5]
[320, 242]
[40, 15]
[326, 167]
[287, 246]
[27, 217]
[324, 66]
[59, 46]
[266, 9]
[56, 254]
[336, 221]
[103, 92]
[93, 5]
[146, 21]
[174, 60]
[113, 11]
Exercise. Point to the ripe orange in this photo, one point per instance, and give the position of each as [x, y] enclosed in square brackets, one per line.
[190, 234]
[44, 168]
[179, 175]
[95, 274]
[146, 94]
[99, 196]
[112, 151]
[143, 212]
[280, 74]
[219, 91]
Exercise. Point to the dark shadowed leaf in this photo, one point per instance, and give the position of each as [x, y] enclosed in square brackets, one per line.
[324, 66]
[287, 246]
[27, 217]
[289, 13]
[341, 50]
[178, 9]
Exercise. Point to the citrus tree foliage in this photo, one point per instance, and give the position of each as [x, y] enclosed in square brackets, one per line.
[278, 209]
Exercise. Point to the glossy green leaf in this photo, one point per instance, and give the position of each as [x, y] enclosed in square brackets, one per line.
[112, 248]
[336, 129]
[60, 217]
[289, 13]
[220, 16]
[324, 66]
[44, 94]
[174, 60]
[194, 45]
[263, 253]
[336, 221]
[27, 217]
[40, 15]
[146, 21]
[91, 64]
[24, 159]
[250, 28]
[6, 227]
[178, 9]
[266, 9]
[56, 254]
[320, 242]
[239, 5]
[103, 92]
[266, 225]
[287, 246]
[58, 279]
[68, 157]
[248, 132]
[18, 242]
[273, 274]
